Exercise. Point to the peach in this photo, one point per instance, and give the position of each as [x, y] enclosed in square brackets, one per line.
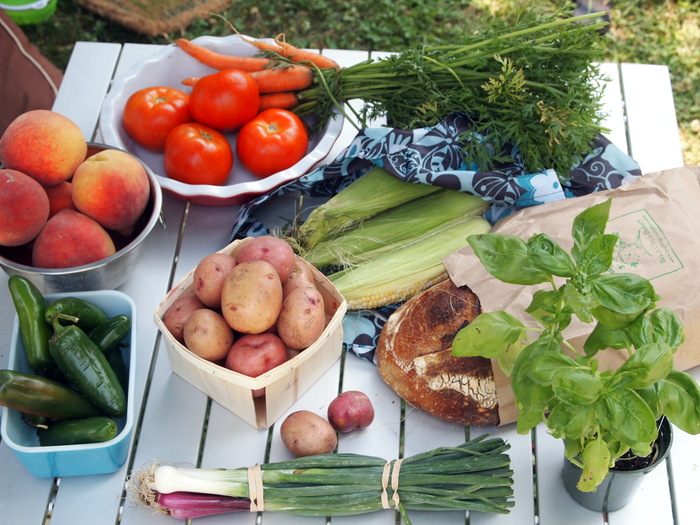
[43, 144]
[71, 239]
[24, 208]
[112, 188]
[59, 197]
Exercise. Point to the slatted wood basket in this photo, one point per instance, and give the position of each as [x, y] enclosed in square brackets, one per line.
[283, 384]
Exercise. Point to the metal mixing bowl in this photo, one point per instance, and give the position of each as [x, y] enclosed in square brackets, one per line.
[105, 274]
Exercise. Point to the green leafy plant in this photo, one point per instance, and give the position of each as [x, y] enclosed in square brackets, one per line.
[600, 414]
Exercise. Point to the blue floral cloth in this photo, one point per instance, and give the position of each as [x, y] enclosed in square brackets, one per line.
[435, 156]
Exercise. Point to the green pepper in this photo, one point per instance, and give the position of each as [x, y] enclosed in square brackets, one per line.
[88, 315]
[84, 364]
[109, 334]
[30, 305]
[77, 431]
[41, 396]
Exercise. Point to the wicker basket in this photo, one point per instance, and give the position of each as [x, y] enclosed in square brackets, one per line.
[283, 384]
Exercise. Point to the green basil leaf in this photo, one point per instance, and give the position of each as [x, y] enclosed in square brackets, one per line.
[679, 395]
[650, 395]
[569, 421]
[625, 293]
[667, 327]
[602, 337]
[627, 417]
[589, 224]
[596, 464]
[547, 255]
[576, 386]
[649, 364]
[545, 308]
[531, 396]
[622, 298]
[488, 335]
[572, 449]
[578, 303]
[506, 258]
[597, 255]
[547, 364]
[527, 420]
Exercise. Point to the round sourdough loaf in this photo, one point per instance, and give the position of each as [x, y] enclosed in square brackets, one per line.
[414, 357]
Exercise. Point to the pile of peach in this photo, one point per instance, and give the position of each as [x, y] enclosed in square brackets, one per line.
[65, 206]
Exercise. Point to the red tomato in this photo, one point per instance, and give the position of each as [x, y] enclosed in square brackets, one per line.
[151, 113]
[273, 141]
[225, 100]
[197, 154]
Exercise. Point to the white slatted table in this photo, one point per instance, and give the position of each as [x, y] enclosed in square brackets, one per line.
[177, 423]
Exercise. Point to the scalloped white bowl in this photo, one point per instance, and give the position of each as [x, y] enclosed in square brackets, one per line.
[167, 67]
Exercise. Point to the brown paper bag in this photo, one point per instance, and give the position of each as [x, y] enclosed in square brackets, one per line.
[657, 218]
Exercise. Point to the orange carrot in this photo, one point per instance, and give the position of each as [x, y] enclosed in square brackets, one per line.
[302, 55]
[288, 78]
[294, 53]
[218, 60]
[190, 81]
[281, 100]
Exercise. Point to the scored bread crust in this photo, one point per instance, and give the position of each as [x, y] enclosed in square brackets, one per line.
[414, 357]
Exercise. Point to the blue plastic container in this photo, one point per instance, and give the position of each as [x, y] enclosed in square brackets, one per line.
[74, 460]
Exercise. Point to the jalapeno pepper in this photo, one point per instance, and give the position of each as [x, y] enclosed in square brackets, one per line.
[84, 364]
[89, 315]
[30, 305]
[77, 431]
[109, 334]
[33, 394]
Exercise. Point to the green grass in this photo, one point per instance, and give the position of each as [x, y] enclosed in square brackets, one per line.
[644, 31]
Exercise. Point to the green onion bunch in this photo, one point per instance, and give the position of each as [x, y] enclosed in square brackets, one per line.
[473, 476]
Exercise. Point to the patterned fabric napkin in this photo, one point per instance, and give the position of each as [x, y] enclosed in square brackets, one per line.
[435, 156]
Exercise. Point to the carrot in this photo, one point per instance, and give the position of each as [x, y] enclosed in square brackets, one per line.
[288, 78]
[302, 55]
[190, 81]
[294, 53]
[218, 60]
[281, 100]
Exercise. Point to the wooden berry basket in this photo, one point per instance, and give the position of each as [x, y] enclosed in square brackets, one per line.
[283, 384]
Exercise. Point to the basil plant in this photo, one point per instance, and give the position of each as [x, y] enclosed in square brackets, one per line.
[600, 414]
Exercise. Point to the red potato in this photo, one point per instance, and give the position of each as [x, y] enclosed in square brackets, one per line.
[272, 249]
[207, 335]
[300, 277]
[255, 354]
[351, 410]
[251, 298]
[305, 434]
[209, 276]
[302, 318]
[177, 313]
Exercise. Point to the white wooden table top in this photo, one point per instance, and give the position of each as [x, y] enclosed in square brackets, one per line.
[177, 423]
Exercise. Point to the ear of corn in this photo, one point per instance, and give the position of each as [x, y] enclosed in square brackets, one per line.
[405, 271]
[395, 227]
[370, 194]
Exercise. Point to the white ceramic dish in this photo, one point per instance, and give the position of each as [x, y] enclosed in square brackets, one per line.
[168, 67]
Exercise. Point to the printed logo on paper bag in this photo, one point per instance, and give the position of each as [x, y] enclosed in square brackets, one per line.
[643, 247]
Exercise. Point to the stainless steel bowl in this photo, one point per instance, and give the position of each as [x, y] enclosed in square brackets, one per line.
[105, 274]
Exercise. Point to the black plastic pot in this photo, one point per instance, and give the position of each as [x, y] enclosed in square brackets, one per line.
[618, 488]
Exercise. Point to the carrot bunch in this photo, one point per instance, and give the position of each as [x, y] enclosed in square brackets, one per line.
[280, 73]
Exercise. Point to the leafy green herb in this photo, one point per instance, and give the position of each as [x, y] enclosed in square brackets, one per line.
[600, 415]
[530, 89]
